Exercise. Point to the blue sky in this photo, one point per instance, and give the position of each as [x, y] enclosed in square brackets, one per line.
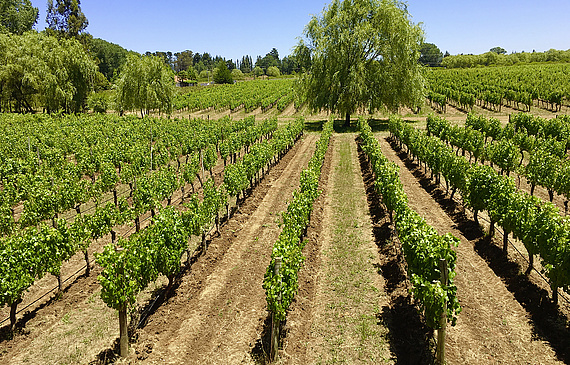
[232, 29]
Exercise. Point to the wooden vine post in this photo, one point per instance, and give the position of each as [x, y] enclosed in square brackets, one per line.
[123, 332]
[275, 323]
[440, 352]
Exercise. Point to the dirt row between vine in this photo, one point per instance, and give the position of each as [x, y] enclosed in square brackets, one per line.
[339, 314]
[41, 293]
[493, 326]
[218, 311]
[79, 327]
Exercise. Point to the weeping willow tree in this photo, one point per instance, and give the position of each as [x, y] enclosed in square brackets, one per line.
[37, 70]
[364, 56]
[145, 83]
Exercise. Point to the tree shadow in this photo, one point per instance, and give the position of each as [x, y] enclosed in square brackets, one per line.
[20, 326]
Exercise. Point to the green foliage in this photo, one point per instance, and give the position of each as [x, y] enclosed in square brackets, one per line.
[521, 87]
[430, 55]
[423, 247]
[538, 224]
[37, 70]
[98, 102]
[237, 74]
[145, 84]
[271, 59]
[248, 94]
[364, 55]
[17, 16]
[273, 71]
[281, 287]
[31, 254]
[205, 74]
[542, 168]
[222, 75]
[110, 56]
[502, 59]
[65, 18]
[257, 71]
[498, 50]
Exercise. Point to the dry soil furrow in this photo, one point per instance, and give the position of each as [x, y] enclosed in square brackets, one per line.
[493, 327]
[219, 308]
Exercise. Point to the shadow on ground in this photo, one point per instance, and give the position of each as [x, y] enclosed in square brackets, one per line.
[411, 341]
[549, 322]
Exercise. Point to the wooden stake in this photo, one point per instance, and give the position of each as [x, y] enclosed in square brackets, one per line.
[123, 334]
[440, 352]
[275, 323]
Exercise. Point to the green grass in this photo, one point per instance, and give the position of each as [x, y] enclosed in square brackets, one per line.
[350, 325]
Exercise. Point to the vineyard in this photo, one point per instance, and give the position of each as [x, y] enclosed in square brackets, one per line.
[522, 87]
[253, 240]
[264, 94]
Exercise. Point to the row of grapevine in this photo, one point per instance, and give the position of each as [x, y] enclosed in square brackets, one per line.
[280, 281]
[129, 265]
[72, 160]
[248, 95]
[424, 249]
[546, 145]
[147, 192]
[542, 85]
[536, 223]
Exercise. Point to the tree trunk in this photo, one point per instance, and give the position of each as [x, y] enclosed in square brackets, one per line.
[492, 229]
[13, 310]
[440, 350]
[87, 266]
[505, 242]
[347, 120]
[59, 285]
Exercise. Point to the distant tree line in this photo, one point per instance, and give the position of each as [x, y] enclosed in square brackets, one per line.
[192, 66]
[497, 57]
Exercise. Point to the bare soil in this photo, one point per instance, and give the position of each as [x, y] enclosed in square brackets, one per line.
[79, 327]
[218, 310]
[496, 325]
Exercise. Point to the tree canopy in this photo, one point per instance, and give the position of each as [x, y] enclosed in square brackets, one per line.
[17, 16]
[270, 59]
[110, 56]
[430, 55]
[364, 57]
[145, 83]
[65, 18]
[222, 75]
[37, 70]
[492, 58]
[498, 50]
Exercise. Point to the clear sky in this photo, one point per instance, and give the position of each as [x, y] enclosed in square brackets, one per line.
[232, 29]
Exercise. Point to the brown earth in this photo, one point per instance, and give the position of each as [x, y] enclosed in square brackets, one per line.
[494, 325]
[78, 327]
[218, 310]
[335, 316]
[43, 291]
